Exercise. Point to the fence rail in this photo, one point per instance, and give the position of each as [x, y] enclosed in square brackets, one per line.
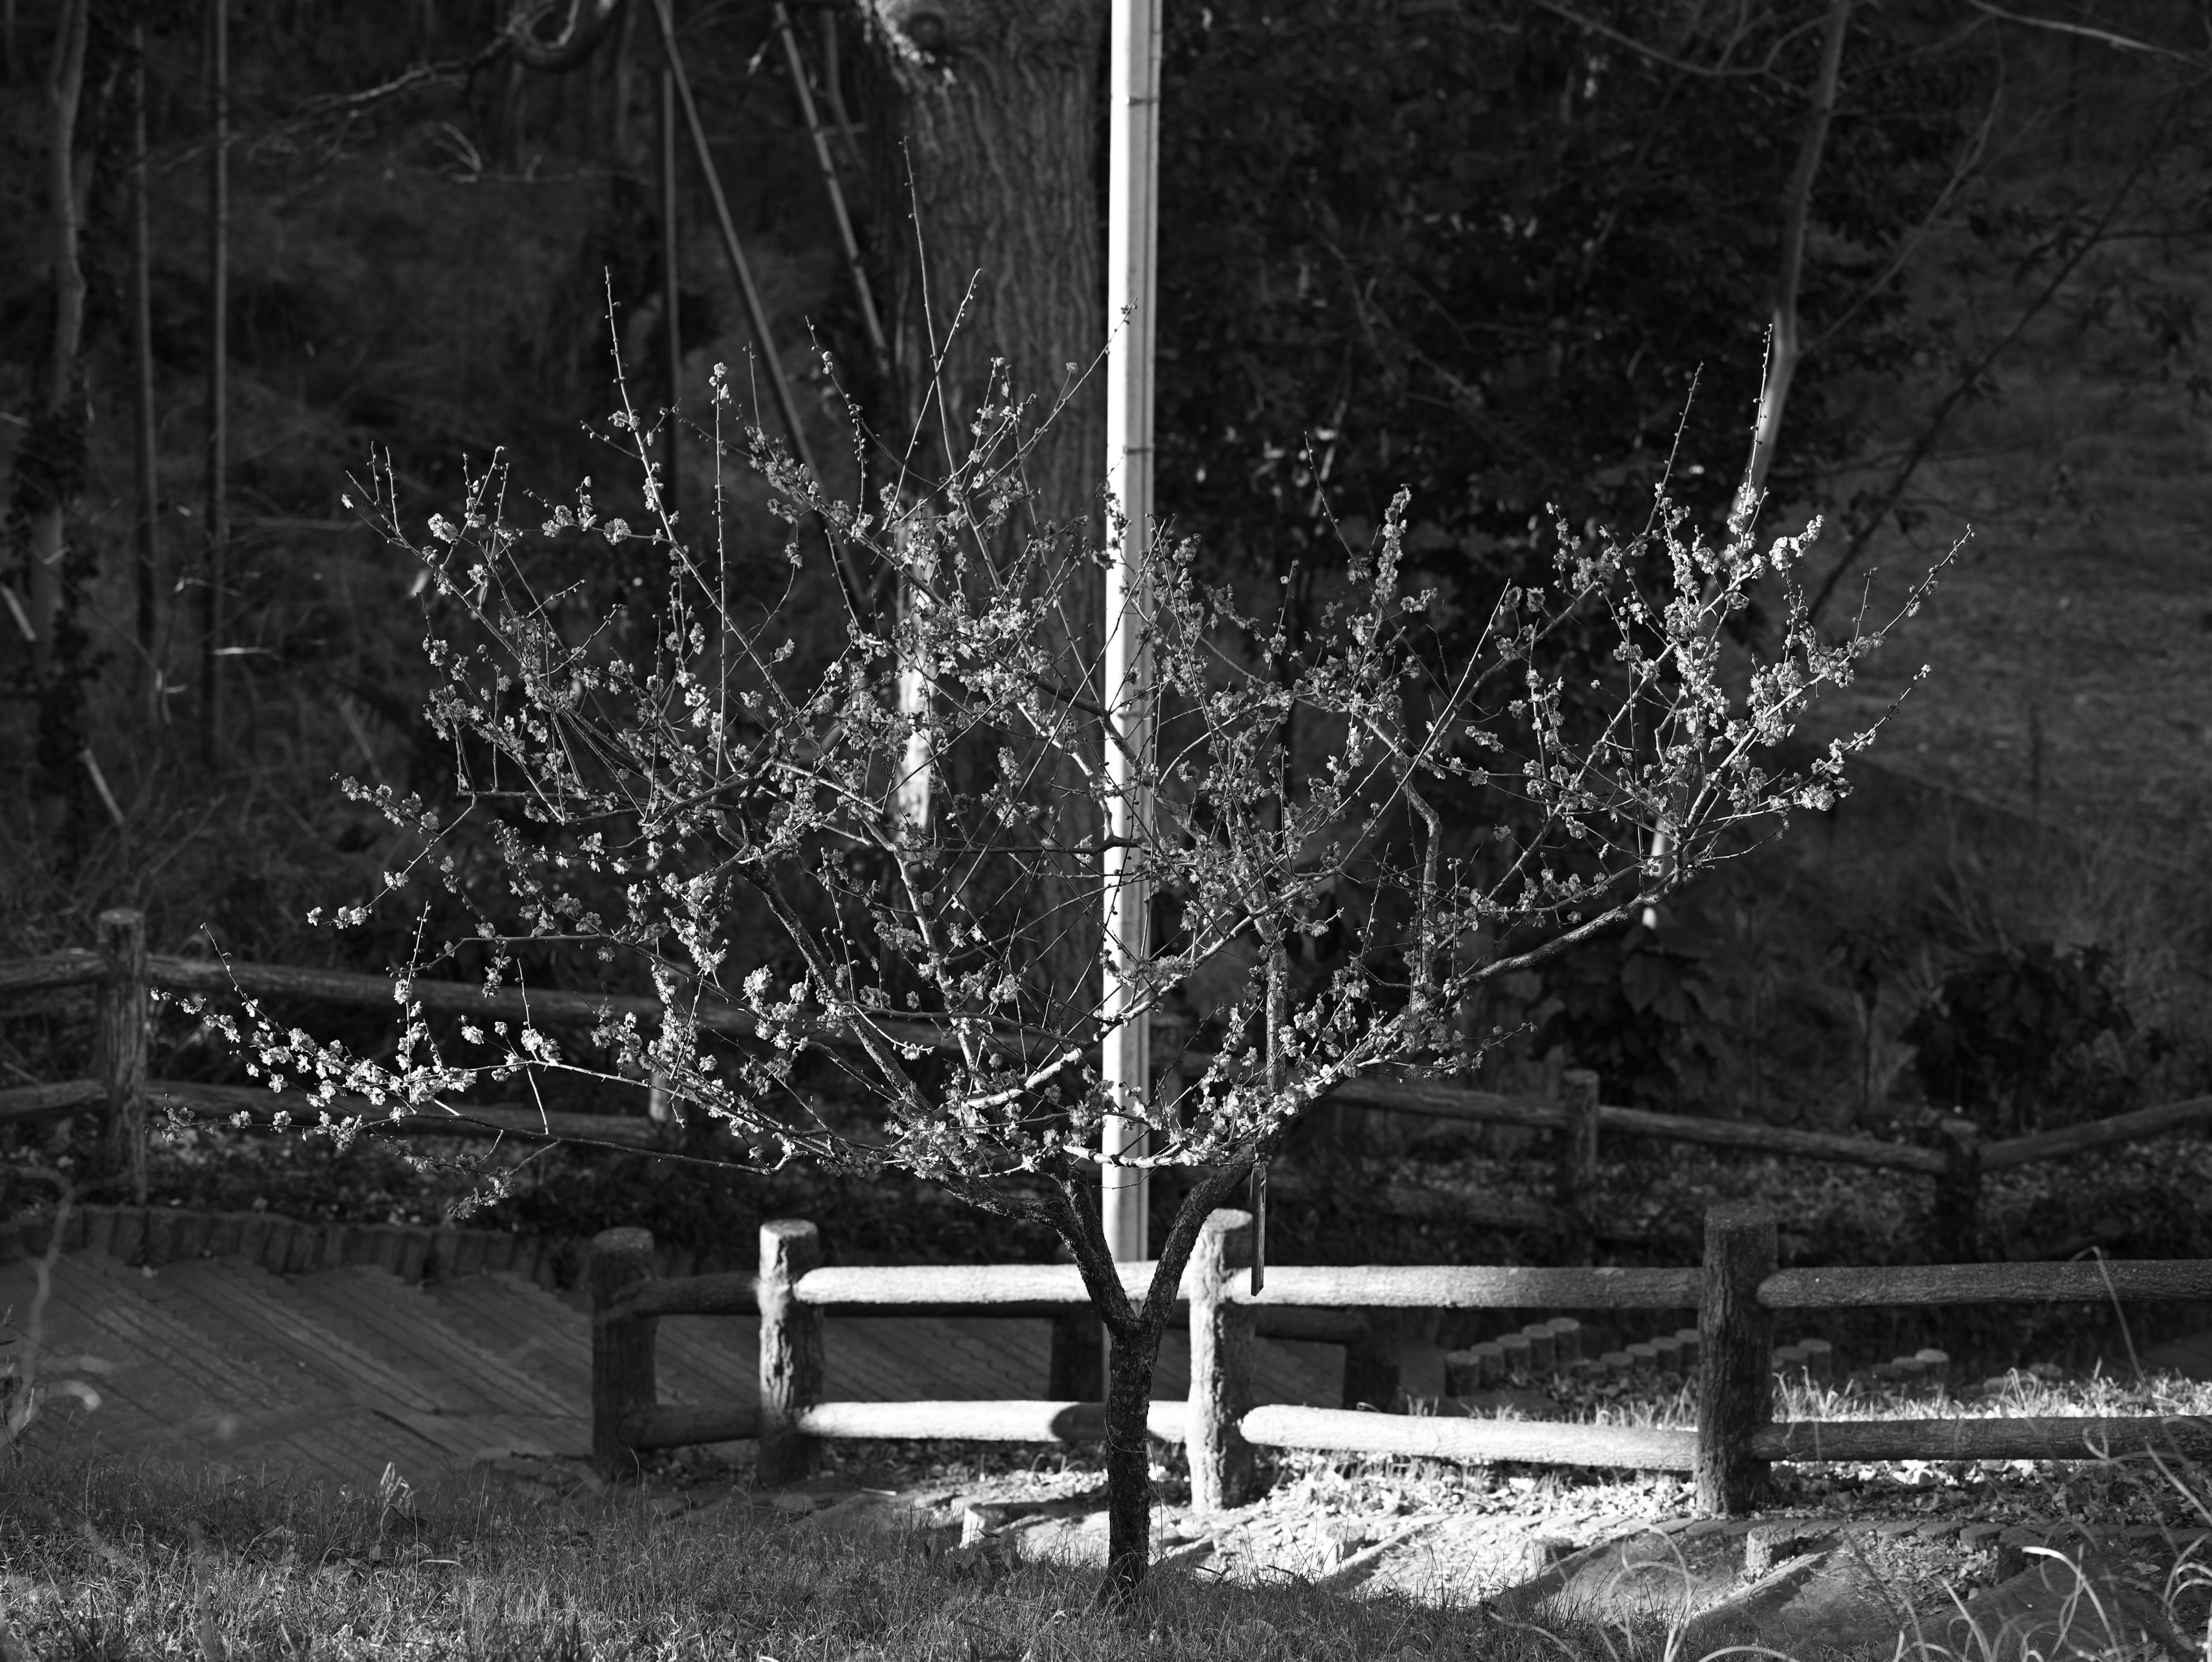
[122, 974]
[1736, 1292]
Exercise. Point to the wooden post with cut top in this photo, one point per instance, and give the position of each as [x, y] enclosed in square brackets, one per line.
[790, 1351]
[120, 1049]
[624, 1378]
[1221, 1467]
[1577, 1175]
[1735, 1343]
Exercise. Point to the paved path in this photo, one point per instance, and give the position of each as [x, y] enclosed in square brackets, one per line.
[339, 1373]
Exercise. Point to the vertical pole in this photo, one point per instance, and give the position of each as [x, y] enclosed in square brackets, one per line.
[120, 1049]
[672, 494]
[1221, 1468]
[1577, 1168]
[1131, 226]
[218, 385]
[1735, 1343]
[142, 351]
[790, 1351]
[623, 1375]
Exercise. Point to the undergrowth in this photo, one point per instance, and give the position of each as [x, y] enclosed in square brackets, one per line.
[122, 1558]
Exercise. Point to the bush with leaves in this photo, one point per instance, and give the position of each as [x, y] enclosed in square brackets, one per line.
[2032, 1034]
[739, 821]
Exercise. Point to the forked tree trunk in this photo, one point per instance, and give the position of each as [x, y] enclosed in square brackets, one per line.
[1134, 1346]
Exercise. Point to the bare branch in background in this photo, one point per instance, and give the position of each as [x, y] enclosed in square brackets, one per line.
[1785, 350]
[2089, 31]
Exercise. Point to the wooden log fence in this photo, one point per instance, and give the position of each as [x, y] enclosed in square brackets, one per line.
[123, 975]
[1737, 1289]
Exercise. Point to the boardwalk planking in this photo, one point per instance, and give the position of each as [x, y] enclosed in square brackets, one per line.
[324, 1347]
[410, 1327]
[333, 1375]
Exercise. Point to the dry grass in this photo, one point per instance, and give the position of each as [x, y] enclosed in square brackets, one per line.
[110, 1559]
[113, 1562]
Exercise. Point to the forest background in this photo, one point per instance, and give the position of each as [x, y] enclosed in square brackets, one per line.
[1517, 256]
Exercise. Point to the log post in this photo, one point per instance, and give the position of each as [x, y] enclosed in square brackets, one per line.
[120, 1049]
[1221, 1468]
[1957, 1220]
[790, 1351]
[624, 1382]
[1577, 1163]
[1736, 1340]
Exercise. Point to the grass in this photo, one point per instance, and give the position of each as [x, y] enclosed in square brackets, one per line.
[109, 1561]
[111, 1558]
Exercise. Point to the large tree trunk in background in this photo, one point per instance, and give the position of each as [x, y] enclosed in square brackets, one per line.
[217, 573]
[998, 119]
[146, 587]
[51, 471]
[1001, 126]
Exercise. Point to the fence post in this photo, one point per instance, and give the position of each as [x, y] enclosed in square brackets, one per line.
[1577, 1166]
[1957, 1218]
[623, 1375]
[1221, 1469]
[790, 1351]
[1735, 1343]
[120, 1049]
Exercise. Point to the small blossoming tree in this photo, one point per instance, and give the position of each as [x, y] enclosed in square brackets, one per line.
[1454, 820]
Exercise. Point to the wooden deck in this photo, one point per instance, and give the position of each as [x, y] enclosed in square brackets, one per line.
[335, 1375]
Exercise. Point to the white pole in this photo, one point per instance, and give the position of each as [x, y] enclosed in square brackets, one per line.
[1133, 141]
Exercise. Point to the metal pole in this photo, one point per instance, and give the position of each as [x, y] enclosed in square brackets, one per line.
[1131, 229]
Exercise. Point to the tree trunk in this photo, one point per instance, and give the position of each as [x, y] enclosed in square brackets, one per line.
[671, 318]
[1133, 1349]
[999, 126]
[1129, 1458]
[996, 138]
[142, 380]
[218, 387]
[58, 462]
